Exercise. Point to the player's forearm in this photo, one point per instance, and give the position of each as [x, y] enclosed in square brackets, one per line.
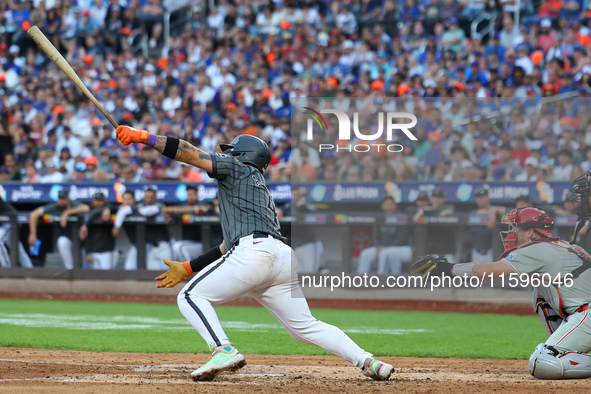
[121, 215]
[482, 270]
[149, 210]
[180, 150]
[91, 218]
[183, 209]
[33, 219]
[80, 209]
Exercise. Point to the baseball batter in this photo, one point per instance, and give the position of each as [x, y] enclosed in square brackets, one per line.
[531, 248]
[253, 259]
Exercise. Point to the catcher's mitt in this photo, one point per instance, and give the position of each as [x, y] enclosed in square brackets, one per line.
[431, 264]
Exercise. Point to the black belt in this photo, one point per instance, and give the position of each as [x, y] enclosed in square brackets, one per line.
[255, 235]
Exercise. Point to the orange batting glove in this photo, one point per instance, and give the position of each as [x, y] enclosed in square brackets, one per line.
[177, 273]
[127, 135]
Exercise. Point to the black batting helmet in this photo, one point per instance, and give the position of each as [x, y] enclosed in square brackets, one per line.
[581, 191]
[249, 150]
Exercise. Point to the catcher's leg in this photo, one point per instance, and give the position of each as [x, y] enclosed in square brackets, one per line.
[547, 363]
[564, 355]
[550, 318]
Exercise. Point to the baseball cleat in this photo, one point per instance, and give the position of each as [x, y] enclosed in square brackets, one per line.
[224, 358]
[377, 370]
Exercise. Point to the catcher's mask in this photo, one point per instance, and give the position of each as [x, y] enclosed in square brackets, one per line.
[249, 150]
[581, 189]
[525, 218]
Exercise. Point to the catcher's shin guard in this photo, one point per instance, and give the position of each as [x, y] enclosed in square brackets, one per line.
[550, 318]
[547, 363]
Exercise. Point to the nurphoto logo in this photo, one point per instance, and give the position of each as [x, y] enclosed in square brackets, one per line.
[344, 121]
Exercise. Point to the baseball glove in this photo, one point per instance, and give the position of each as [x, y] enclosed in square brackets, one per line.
[431, 264]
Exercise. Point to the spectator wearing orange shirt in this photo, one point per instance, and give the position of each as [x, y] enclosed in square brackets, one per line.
[188, 174]
[306, 170]
[550, 8]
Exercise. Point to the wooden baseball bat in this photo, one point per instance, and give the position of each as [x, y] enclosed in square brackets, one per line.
[63, 65]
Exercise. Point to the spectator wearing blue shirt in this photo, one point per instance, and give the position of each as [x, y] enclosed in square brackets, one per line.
[496, 47]
[568, 84]
[410, 10]
[20, 13]
[474, 74]
[371, 9]
[285, 110]
[570, 9]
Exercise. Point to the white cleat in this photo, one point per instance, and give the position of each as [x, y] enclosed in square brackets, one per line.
[224, 358]
[377, 370]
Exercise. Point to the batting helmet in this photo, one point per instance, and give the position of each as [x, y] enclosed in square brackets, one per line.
[249, 150]
[525, 218]
[581, 191]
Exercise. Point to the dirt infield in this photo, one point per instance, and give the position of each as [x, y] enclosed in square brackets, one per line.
[53, 371]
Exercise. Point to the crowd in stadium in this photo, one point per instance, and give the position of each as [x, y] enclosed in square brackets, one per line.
[232, 69]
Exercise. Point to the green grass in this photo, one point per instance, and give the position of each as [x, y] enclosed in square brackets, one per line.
[155, 328]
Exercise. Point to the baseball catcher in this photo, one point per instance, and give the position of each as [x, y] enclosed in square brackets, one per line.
[252, 260]
[531, 248]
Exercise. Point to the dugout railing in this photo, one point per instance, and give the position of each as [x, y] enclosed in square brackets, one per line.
[340, 226]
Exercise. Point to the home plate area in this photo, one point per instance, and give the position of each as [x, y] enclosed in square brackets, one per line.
[53, 371]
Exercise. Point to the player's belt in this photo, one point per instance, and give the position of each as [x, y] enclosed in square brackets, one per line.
[255, 235]
[583, 308]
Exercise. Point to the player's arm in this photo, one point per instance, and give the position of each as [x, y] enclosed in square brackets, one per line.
[171, 147]
[178, 271]
[120, 216]
[149, 210]
[33, 220]
[73, 211]
[83, 233]
[196, 209]
[483, 270]
[106, 214]
[437, 265]
[418, 214]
